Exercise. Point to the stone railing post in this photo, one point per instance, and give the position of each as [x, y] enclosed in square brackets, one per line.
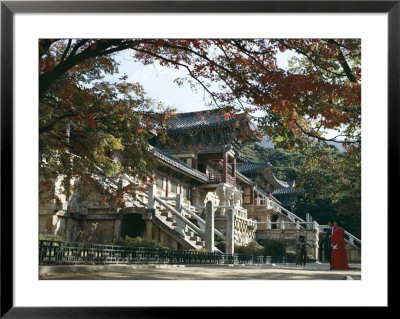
[179, 201]
[308, 220]
[151, 193]
[221, 192]
[209, 240]
[180, 224]
[297, 225]
[268, 224]
[230, 231]
[282, 224]
[315, 239]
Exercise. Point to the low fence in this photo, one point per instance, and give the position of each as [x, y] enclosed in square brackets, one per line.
[62, 252]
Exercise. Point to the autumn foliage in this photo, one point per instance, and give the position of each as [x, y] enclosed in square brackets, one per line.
[319, 92]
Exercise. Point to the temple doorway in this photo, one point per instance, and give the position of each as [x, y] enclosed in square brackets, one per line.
[132, 225]
[274, 220]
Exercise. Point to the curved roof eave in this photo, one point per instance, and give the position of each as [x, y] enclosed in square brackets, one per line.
[269, 175]
[180, 166]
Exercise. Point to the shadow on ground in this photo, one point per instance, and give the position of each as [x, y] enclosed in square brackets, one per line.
[216, 272]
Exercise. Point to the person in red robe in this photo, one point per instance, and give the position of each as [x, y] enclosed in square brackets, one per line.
[338, 257]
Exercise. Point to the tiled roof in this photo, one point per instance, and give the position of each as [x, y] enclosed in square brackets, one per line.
[284, 191]
[287, 196]
[176, 163]
[202, 120]
[250, 167]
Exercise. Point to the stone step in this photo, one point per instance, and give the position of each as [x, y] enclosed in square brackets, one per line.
[165, 213]
[189, 233]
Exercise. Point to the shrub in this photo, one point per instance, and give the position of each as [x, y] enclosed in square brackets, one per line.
[290, 253]
[256, 248]
[221, 246]
[50, 237]
[138, 242]
[241, 250]
[274, 248]
[310, 257]
[252, 248]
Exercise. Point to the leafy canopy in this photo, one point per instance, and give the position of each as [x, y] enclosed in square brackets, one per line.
[111, 121]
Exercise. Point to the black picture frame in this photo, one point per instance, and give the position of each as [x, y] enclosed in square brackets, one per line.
[9, 8]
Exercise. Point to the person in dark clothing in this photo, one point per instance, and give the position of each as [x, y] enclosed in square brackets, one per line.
[328, 245]
[301, 247]
[299, 244]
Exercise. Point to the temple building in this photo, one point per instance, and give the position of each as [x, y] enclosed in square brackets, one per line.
[199, 165]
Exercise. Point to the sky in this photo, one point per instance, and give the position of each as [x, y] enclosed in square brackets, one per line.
[158, 82]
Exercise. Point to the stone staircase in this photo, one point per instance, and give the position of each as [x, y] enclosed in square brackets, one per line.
[168, 223]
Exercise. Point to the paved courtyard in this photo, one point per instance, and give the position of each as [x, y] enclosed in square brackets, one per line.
[314, 271]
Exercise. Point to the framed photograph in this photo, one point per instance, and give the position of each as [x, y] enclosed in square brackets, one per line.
[29, 27]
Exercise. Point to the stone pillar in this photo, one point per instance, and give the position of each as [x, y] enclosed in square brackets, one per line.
[149, 229]
[234, 170]
[156, 233]
[151, 193]
[209, 240]
[117, 228]
[230, 233]
[224, 167]
[221, 192]
[147, 216]
[315, 242]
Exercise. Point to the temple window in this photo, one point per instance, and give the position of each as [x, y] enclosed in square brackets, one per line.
[160, 182]
[185, 191]
[173, 186]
